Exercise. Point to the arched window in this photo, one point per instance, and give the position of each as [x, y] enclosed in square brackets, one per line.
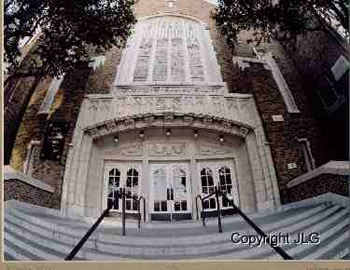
[113, 188]
[169, 49]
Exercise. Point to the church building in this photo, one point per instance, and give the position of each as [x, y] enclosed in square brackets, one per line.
[170, 118]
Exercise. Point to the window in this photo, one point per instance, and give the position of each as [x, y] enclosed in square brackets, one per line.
[54, 138]
[113, 188]
[131, 188]
[208, 187]
[332, 91]
[279, 79]
[33, 152]
[171, 3]
[306, 149]
[169, 50]
[225, 183]
[50, 95]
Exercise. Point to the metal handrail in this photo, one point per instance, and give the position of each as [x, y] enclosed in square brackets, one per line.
[215, 193]
[279, 250]
[82, 241]
[105, 213]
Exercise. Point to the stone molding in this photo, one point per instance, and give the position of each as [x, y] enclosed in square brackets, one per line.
[116, 125]
[244, 62]
[332, 167]
[269, 63]
[102, 109]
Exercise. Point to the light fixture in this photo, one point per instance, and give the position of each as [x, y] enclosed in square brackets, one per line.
[195, 133]
[142, 134]
[168, 132]
[221, 138]
[116, 138]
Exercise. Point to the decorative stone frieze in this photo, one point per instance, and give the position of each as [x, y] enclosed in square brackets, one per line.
[167, 149]
[115, 125]
[233, 107]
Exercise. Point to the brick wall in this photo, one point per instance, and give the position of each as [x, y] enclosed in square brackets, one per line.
[321, 184]
[314, 55]
[17, 190]
[65, 108]
[281, 136]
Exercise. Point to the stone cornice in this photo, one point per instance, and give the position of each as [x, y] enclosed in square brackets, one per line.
[136, 122]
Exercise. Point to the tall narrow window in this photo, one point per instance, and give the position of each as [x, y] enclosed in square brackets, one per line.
[160, 71]
[50, 95]
[141, 70]
[33, 152]
[131, 188]
[306, 149]
[160, 191]
[113, 188]
[225, 183]
[180, 189]
[279, 79]
[195, 59]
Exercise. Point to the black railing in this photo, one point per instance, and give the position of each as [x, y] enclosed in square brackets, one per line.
[215, 193]
[105, 213]
[218, 192]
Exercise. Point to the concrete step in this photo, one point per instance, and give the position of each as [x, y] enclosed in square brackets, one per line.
[175, 237]
[34, 233]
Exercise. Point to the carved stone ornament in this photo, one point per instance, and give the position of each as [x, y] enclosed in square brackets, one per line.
[131, 150]
[212, 150]
[166, 149]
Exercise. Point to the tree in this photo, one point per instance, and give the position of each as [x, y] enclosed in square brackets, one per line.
[69, 29]
[283, 19]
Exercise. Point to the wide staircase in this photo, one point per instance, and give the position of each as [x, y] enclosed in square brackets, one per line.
[36, 233]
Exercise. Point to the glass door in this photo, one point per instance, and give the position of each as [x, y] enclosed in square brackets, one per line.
[122, 176]
[222, 175]
[170, 196]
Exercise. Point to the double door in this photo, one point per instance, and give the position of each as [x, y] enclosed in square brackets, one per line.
[123, 177]
[222, 175]
[170, 190]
